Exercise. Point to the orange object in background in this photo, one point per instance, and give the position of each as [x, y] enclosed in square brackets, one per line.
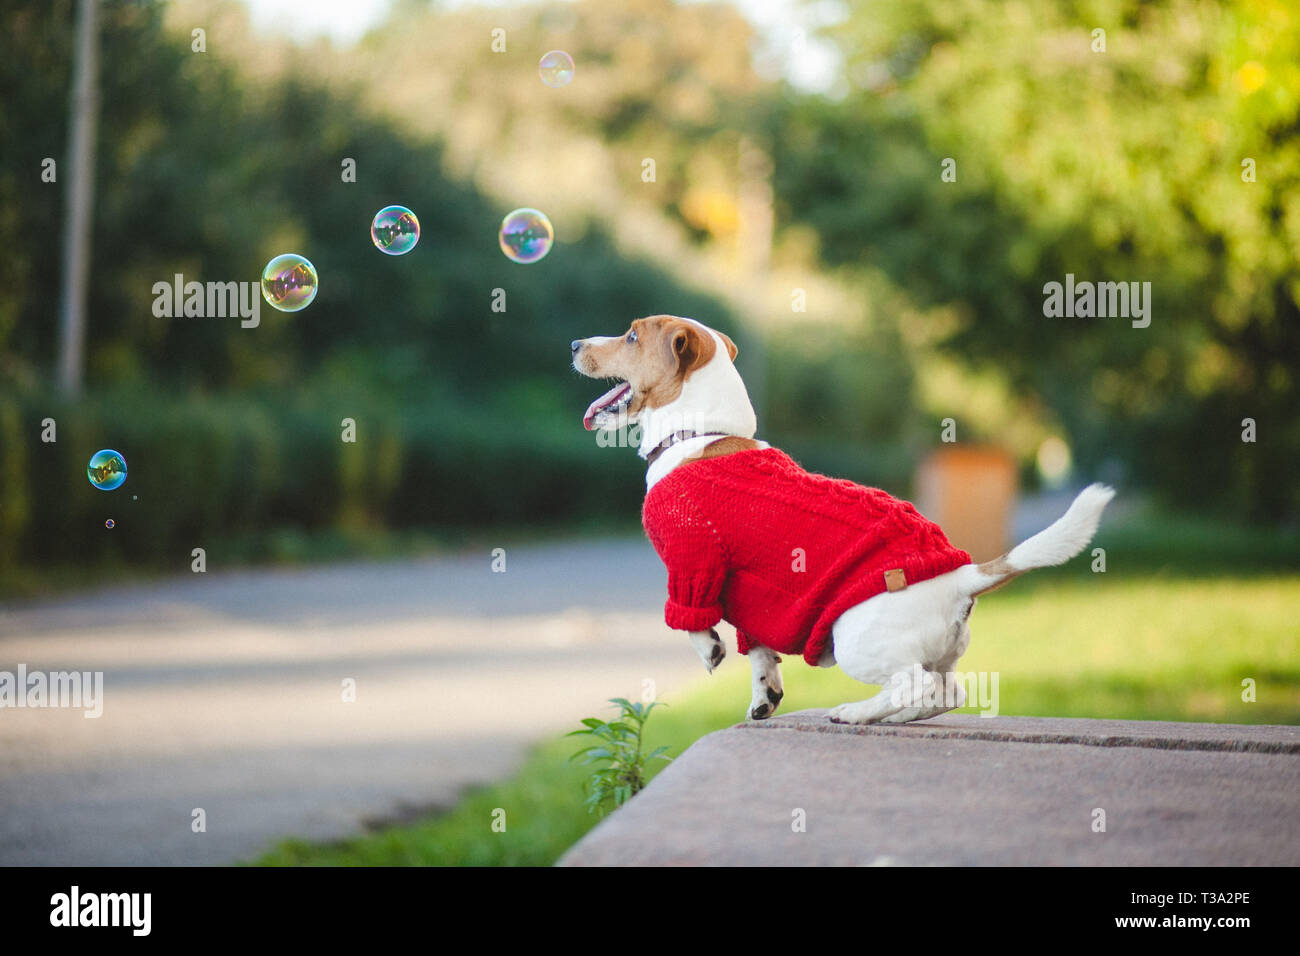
[970, 491]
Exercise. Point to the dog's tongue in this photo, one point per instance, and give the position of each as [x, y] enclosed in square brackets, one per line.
[606, 400]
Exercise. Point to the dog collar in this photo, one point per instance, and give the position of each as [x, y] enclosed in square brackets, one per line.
[673, 439]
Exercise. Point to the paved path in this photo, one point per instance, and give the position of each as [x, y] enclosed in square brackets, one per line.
[224, 691]
[968, 791]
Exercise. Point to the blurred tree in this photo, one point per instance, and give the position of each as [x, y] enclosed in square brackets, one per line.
[207, 168]
[1122, 165]
[654, 80]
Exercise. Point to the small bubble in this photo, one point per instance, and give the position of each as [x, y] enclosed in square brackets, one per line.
[109, 523]
[526, 235]
[106, 470]
[289, 282]
[556, 68]
[395, 230]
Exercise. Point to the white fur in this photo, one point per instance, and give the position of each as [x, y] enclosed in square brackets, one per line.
[710, 648]
[1066, 536]
[885, 639]
[713, 399]
[765, 685]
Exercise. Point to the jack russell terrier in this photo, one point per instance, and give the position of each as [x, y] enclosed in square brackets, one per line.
[797, 562]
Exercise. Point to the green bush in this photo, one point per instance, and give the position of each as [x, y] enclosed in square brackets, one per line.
[223, 467]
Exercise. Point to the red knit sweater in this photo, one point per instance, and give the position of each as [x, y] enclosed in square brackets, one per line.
[780, 552]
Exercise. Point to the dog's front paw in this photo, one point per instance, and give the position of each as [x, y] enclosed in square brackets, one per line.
[762, 709]
[710, 648]
[719, 650]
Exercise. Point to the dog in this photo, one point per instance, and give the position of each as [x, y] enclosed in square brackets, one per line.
[799, 563]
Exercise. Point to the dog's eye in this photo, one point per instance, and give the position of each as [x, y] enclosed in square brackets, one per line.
[631, 336]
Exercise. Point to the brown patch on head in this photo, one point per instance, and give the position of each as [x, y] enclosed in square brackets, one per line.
[731, 346]
[688, 344]
[655, 356]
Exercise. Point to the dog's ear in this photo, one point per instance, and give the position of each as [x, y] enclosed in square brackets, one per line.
[691, 347]
[731, 346]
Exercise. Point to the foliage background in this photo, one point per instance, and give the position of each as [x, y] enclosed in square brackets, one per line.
[924, 297]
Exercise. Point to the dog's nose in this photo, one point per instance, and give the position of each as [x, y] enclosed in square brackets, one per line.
[575, 345]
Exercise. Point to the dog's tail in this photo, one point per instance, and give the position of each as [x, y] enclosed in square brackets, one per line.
[1054, 545]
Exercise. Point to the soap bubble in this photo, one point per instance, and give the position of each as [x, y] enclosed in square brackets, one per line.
[526, 235]
[556, 68]
[395, 230]
[107, 470]
[289, 282]
[109, 524]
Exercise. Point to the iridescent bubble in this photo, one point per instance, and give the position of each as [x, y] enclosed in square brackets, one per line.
[289, 282]
[526, 235]
[109, 524]
[556, 68]
[395, 230]
[107, 469]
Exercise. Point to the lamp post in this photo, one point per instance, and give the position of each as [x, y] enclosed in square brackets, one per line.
[80, 200]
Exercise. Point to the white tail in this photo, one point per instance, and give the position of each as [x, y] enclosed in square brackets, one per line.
[1054, 545]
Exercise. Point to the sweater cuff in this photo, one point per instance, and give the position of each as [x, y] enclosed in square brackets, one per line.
[683, 617]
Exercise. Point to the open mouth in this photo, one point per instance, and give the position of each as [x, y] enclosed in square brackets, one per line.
[612, 402]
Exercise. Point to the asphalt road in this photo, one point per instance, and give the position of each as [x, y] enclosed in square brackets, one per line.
[224, 691]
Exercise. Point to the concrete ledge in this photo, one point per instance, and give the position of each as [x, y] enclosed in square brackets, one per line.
[966, 790]
[1159, 734]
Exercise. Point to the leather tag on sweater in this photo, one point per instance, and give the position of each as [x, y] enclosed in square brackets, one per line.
[895, 580]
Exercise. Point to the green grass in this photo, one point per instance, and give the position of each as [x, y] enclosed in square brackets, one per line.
[1068, 644]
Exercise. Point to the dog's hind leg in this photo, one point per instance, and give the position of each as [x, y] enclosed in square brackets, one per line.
[901, 692]
[709, 646]
[949, 694]
[766, 686]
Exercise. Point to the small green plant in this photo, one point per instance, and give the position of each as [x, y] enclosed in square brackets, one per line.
[619, 746]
